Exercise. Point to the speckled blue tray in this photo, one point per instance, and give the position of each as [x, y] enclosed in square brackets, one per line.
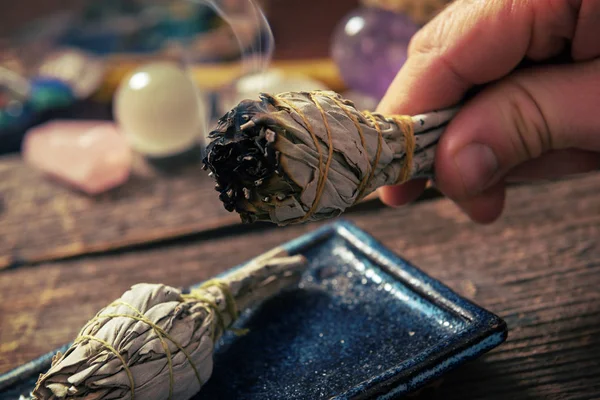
[363, 324]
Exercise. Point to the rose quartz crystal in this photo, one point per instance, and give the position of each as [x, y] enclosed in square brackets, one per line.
[92, 156]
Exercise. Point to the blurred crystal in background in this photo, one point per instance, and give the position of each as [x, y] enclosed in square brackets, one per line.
[163, 71]
[74, 59]
[160, 110]
[91, 156]
[369, 47]
[370, 44]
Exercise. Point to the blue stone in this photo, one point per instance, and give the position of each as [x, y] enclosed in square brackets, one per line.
[49, 94]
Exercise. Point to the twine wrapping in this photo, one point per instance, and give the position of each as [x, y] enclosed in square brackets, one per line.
[404, 124]
[155, 342]
[306, 156]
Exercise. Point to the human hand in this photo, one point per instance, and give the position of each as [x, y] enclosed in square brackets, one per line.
[525, 124]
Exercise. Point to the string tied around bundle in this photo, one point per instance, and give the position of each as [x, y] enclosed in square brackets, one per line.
[404, 124]
[205, 299]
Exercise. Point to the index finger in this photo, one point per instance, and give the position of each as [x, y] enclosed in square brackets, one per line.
[473, 42]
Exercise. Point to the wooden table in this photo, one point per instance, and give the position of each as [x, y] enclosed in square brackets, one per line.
[65, 255]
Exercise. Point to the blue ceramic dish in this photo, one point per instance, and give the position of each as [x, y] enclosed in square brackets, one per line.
[363, 324]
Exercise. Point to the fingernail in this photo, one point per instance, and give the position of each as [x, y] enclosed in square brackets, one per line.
[477, 165]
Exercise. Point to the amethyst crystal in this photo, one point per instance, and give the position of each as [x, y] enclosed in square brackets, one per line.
[369, 47]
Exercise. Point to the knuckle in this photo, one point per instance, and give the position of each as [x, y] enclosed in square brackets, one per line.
[422, 42]
[434, 37]
[531, 135]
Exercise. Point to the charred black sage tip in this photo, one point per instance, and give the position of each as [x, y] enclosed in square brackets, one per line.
[306, 156]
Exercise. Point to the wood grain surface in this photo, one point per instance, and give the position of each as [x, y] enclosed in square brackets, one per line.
[42, 220]
[538, 267]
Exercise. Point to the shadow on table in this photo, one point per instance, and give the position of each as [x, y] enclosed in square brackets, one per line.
[475, 380]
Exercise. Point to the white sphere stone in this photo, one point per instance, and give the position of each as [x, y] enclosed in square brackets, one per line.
[160, 110]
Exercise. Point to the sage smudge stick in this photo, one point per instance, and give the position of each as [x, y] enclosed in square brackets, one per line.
[156, 342]
[307, 156]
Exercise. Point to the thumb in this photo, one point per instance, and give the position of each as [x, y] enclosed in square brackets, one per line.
[519, 119]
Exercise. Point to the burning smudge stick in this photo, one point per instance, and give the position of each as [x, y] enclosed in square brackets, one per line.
[155, 342]
[307, 156]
